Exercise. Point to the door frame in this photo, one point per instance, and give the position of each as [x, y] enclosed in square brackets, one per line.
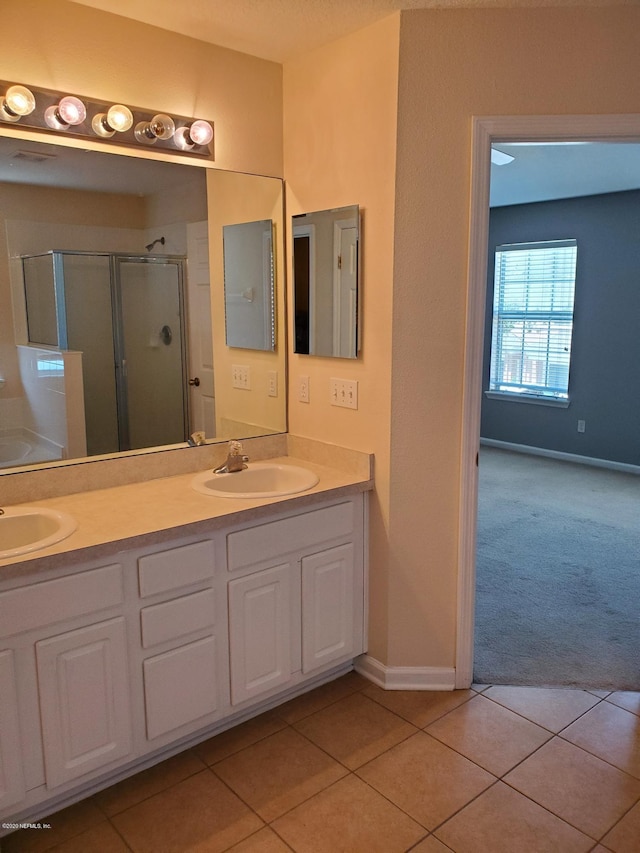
[485, 131]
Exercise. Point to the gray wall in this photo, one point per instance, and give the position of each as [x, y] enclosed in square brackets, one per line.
[604, 382]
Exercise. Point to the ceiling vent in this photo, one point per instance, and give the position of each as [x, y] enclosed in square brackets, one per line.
[33, 156]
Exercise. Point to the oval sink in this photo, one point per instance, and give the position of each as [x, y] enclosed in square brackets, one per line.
[25, 529]
[259, 480]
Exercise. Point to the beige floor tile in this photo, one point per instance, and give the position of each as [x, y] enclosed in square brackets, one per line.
[431, 845]
[552, 708]
[492, 736]
[419, 707]
[426, 779]
[348, 817]
[239, 737]
[278, 773]
[145, 784]
[503, 821]
[198, 815]
[578, 787]
[321, 697]
[99, 839]
[625, 835]
[628, 700]
[264, 841]
[355, 730]
[611, 733]
[64, 825]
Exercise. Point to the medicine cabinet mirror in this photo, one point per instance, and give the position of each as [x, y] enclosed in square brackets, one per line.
[135, 245]
[326, 282]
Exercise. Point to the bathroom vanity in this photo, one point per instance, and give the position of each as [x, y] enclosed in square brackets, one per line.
[119, 649]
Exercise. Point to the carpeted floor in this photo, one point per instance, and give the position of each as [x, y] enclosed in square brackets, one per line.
[558, 574]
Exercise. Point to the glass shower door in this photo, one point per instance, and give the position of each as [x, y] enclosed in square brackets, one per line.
[151, 351]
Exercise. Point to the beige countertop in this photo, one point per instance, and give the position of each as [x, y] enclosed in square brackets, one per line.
[159, 510]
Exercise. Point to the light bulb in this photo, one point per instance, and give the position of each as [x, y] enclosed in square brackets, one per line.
[70, 111]
[201, 132]
[119, 117]
[198, 133]
[17, 102]
[161, 126]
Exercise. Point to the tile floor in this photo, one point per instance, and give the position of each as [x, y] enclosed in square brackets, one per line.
[350, 767]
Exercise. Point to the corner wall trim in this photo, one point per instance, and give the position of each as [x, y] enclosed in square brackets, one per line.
[406, 677]
[626, 467]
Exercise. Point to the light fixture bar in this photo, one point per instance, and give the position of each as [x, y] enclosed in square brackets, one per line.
[71, 115]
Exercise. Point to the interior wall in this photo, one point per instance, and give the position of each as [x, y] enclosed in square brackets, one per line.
[605, 350]
[455, 64]
[61, 45]
[340, 106]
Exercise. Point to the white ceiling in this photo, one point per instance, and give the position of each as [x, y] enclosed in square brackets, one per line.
[277, 30]
[280, 29]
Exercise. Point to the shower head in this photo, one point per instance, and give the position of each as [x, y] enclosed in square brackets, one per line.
[150, 246]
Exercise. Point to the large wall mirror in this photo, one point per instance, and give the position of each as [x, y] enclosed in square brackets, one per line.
[112, 331]
[326, 282]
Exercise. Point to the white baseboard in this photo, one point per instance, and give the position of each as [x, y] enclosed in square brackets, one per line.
[558, 454]
[406, 677]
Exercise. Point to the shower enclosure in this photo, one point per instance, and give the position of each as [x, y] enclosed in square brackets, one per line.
[126, 315]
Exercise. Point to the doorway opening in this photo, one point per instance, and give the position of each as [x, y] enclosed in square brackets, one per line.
[486, 132]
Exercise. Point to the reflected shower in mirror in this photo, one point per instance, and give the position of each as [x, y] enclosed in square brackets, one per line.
[129, 239]
[248, 285]
[326, 282]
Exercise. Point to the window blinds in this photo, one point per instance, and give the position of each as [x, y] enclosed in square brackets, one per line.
[533, 318]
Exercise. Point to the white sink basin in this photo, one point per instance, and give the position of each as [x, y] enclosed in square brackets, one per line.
[25, 529]
[259, 480]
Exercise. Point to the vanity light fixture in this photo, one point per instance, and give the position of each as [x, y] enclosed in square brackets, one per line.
[18, 101]
[46, 110]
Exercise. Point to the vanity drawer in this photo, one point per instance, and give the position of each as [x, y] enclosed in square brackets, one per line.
[63, 598]
[176, 568]
[172, 619]
[268, 541]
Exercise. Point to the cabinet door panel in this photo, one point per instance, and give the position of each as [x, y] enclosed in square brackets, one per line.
[327, 606]
[260, 632]
[85, 705]
[180, 686]
[12, 787]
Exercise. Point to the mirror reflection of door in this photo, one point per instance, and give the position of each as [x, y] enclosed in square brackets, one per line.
[152, 398]
[200, 339]
[326, 282]
[345, 283]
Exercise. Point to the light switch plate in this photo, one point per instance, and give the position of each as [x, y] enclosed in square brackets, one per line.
[344, 393]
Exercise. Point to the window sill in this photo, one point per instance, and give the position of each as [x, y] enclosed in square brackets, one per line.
[527, 398]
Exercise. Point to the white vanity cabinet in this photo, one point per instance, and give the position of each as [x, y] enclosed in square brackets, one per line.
[106, 667]
[66, 670]
[296, 598]
[12, 784]
[183, 637]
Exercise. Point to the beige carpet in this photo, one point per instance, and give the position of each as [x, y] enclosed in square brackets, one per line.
[558, 574]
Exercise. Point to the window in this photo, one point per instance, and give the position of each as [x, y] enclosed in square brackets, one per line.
[533, 320]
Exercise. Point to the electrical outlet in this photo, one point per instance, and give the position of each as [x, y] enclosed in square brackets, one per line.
[272, 383]
[581, 426]
[303, 389]
[241, 376]
[344, 392]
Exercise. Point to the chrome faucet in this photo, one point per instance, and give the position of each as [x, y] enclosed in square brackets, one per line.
[236, 461]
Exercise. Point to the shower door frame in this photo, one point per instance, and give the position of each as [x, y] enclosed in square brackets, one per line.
[120, 361]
